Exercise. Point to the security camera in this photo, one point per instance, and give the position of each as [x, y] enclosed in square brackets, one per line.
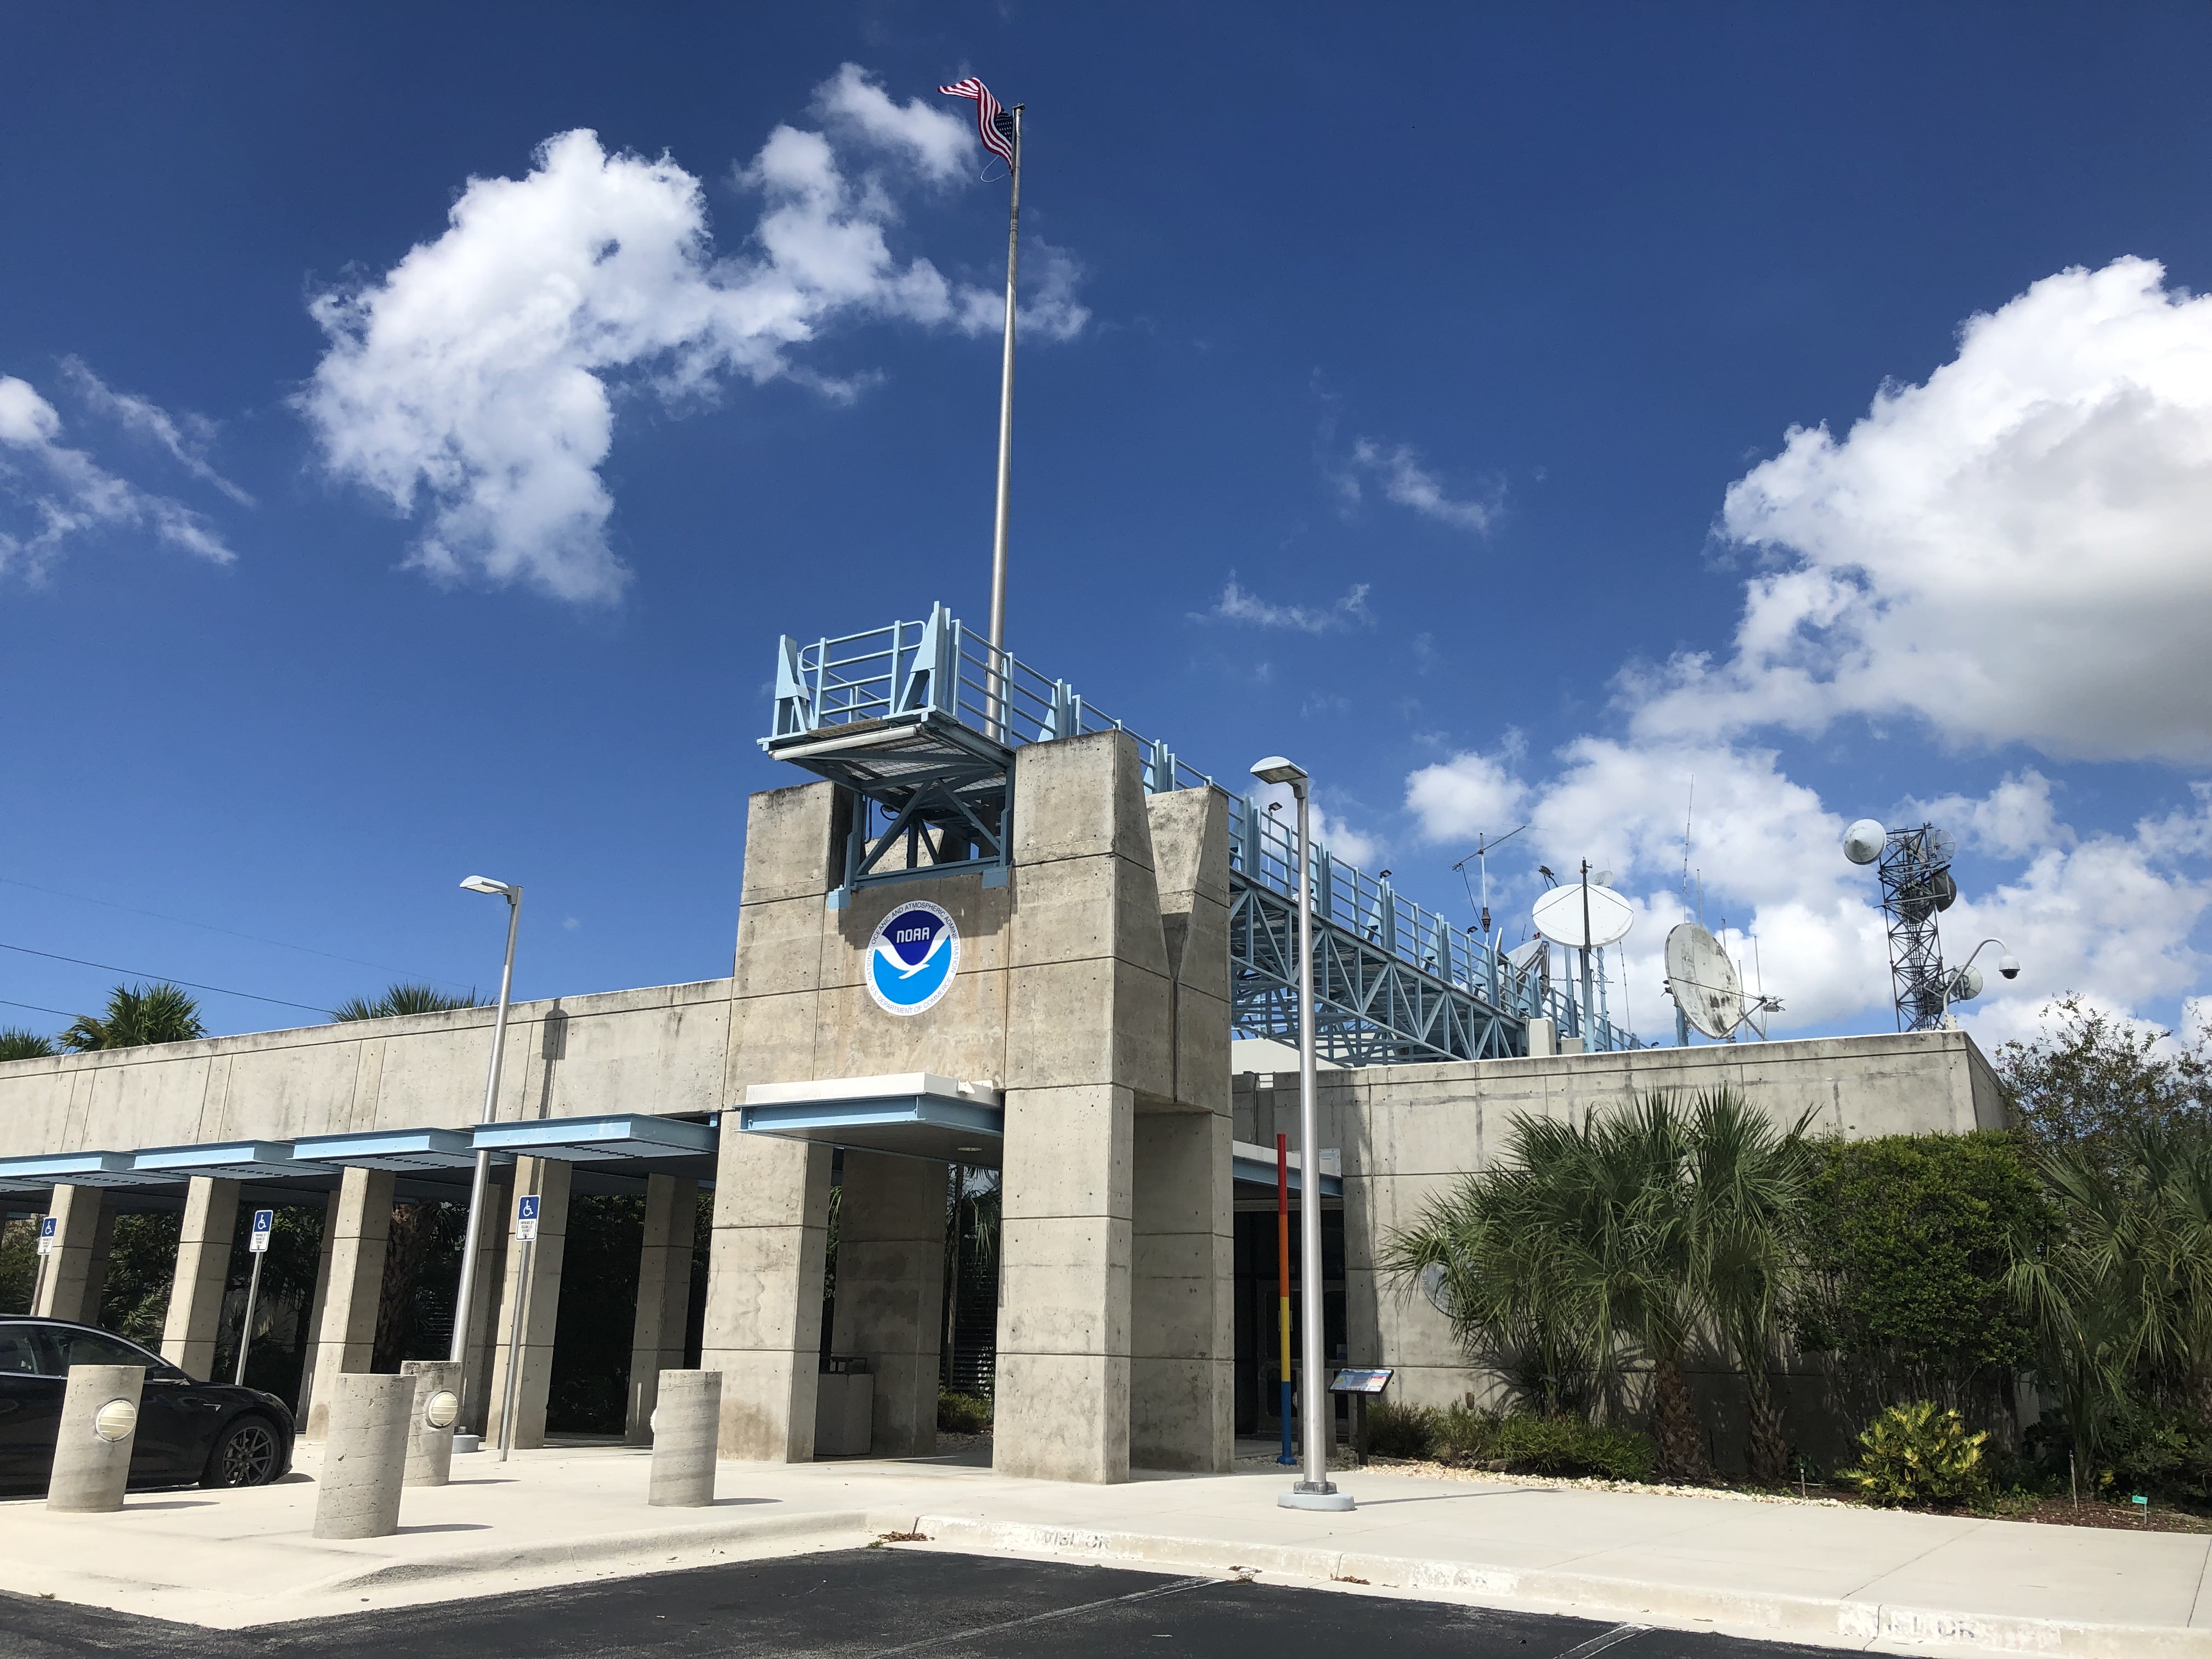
[2008, 966]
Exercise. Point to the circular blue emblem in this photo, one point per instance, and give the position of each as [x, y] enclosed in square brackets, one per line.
[912, 956]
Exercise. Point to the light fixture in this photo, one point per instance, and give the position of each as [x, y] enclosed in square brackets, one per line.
[115, 1420]
[1276, 769]
[442, 1407]
[486, 884]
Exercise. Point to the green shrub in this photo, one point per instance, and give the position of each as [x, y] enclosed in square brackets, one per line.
[1916, 1454]
[1568, 1445]
[1402, 1430]
[962, 1413]
[1467, 1436]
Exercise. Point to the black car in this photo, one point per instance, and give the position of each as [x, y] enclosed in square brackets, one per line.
[209, 1432]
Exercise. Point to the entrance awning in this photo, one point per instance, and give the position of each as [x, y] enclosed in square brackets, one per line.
[909, 1114]
[71, 1170]
[391, 1149]
[234, 1160]
[1255, 1168]
[623, 1136]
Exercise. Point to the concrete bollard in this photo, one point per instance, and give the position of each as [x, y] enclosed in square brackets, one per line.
[437, 1408]
[686, 1421]
[364, 1456]
[100, 1426]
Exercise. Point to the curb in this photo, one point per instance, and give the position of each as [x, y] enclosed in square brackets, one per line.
[1832, 1622]
[841, 1525]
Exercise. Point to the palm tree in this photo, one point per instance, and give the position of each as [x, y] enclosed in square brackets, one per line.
[403, 998]
[137, 1015]
[16, 1043]
[1625, 1235]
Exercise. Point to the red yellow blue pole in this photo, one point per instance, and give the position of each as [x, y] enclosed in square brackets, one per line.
[1283, 1281]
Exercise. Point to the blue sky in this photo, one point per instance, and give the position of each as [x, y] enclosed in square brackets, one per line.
[1408, 389]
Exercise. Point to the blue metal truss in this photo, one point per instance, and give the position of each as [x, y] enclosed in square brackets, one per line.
[923, 722]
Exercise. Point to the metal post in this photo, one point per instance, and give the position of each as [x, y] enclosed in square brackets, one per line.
[1585, 1024]
[246, 1326]
[1006, 441]
[1288, 1457]
[465, 1295]
[1313, 1490]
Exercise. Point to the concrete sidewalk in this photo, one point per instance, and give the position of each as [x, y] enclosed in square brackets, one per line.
[1837, 1576]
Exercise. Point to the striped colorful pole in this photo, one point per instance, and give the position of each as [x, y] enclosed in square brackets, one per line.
[1283, 1281]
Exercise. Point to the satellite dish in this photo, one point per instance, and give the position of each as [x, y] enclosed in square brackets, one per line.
[1864, 841]
[1939, 846]
[1559, 916]
[1523, 956]
[1703, 982]
[1432, 1286]
[1935, 890]
[1602, 878]
[1967, 984]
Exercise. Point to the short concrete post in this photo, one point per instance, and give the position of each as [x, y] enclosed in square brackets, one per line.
[100, 1423]
[364, 1454]
[437, 1409]
[686, 1423]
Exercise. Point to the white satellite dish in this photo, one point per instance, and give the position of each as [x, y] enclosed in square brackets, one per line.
[1864, 841]
[1940, 845]
[1559, 916]
[1967, 984]
[1703, 982]
[1523, 956]
[1432, 1287]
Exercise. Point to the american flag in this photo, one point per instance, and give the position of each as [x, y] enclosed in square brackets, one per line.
[993, 124]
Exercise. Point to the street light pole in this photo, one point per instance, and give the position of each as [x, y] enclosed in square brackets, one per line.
[465, 1295]
[2008, 965]
[1313, 1490]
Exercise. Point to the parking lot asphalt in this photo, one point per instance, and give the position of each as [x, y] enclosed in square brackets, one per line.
[874, 1604]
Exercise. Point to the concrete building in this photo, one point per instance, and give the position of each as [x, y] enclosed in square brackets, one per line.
[1060, 1011]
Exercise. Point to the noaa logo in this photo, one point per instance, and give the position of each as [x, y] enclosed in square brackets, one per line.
[912, 956]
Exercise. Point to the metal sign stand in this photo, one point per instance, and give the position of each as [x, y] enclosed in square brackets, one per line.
[526, 1231]
[264, 1222]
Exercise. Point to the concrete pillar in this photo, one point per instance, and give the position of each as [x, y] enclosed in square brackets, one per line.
[539, 1295]
[1090, 1025]
[663, 1296]
[685, 1427]
[891, 1291]
[359, 1228]
[484, 1335]
[92, 1452]
[203, 1274]
[764, 1292]
[315, 1300]
[366, 1460]
[96, 1266]
[66, 1276]
[1182, 1365]
[430, 1428]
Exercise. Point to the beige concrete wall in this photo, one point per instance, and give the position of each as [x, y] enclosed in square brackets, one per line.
[1408, 1133]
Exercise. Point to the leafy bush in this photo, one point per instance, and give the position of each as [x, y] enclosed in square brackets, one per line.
[1916, 1454]
[1568, 1445]
[1395, 1430]
[962, 1413]
[1466, 1435]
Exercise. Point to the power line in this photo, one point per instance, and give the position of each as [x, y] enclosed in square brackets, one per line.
[57, 1013]
[186, 921]
[147, 973]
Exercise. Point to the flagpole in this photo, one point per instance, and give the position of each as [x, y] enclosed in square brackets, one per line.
[1005, 433]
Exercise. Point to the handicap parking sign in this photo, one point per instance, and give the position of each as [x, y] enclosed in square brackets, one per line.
[47, 1230]
[264, 1223]
[526, 1218]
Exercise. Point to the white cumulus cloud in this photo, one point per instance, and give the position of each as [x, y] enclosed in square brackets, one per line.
[2018, 550]
[475, 383]
[1406, 480]
[64, 493]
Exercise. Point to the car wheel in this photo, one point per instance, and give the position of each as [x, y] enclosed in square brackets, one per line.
[245, 1454]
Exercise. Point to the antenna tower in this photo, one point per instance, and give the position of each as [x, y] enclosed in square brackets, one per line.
[1916, 886]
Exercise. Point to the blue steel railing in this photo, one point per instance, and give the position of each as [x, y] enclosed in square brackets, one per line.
[939, 665]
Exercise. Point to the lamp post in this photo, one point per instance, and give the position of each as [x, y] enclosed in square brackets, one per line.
[466, 1294]
[2008, 965]
[1313, 1490]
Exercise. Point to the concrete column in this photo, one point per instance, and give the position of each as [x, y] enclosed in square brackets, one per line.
[96, 1266]
[365, 1461]
[1182, 1365]
[203, 1274]
[359, 1229]
[430, 1440]
[484, 1335]
[315, 1300]
[891, 1291]
[685, 1432]
[92, 1452]
[764, 1292]
[540, 1300]
[1090, 1027]
[663, 1296]
[65, 1290]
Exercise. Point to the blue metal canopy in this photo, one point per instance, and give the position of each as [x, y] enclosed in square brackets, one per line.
[232, 1160]
[72, 1169]
[391, 1149]
[591, 1139]
[911, 1114]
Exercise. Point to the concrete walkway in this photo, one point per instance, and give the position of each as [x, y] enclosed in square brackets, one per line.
[1840, 1577]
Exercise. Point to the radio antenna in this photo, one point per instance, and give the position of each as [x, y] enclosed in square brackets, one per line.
[1480, 857]
[1689, 810]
